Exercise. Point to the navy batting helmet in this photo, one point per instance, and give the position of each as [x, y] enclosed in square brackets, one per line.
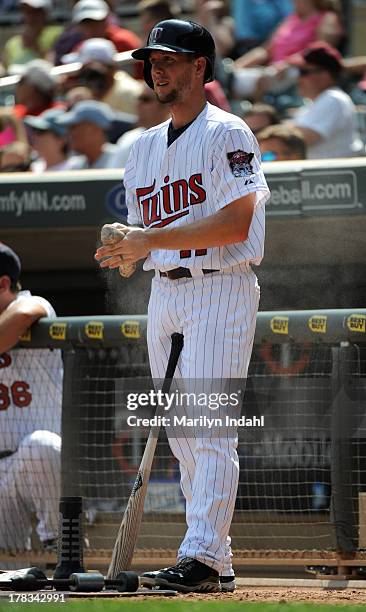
[178, 36]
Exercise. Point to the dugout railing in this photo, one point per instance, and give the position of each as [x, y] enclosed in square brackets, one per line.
[302, 488]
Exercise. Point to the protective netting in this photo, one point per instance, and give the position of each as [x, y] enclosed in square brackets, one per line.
[302, 473]
[310, 397]
[30, 446]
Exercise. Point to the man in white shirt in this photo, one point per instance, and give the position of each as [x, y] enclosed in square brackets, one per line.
[195, 185]
[328, 121]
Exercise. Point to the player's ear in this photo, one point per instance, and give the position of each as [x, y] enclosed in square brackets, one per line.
[200, 63]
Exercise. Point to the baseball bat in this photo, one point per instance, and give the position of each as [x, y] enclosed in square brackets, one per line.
[127, 535]
[122, 58]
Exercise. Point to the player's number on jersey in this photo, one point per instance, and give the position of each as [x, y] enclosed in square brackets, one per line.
[18, 394]
[198, 253]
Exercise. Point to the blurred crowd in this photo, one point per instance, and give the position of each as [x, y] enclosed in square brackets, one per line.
[282, 65]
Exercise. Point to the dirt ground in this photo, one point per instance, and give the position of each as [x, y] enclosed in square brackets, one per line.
[259, 594]
[276, 594]
[287, 594]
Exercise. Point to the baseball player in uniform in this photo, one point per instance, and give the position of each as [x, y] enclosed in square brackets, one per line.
[30, 417]
[195, 188]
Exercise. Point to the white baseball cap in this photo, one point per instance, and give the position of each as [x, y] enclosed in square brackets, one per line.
[38, 4]
[38, 73]
[92, 50]
[90, 9]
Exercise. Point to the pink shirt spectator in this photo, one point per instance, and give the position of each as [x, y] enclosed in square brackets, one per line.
[216, 95]
[294, 35]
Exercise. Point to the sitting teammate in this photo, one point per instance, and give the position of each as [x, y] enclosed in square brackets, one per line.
[30, 417]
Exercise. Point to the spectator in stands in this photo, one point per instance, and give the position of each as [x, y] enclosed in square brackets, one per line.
[255, 20]
[328, 123]
[150, 112]
[11, 128]
[153, 11]
[31, 393]
[281, 143]
[311, 21]
[49, 140]
[77, 94]
[72, 37]
[36, 90]
[36, 39]
[87, 125]
[15, 157]
[91, 19]
[213, 15]
[260, 116]
[99, 72]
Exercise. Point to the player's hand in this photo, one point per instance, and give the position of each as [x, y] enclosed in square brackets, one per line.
[113, 233]
[133, 247]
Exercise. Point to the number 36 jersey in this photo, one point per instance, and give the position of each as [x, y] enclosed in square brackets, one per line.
[30, 389]
[214, 162]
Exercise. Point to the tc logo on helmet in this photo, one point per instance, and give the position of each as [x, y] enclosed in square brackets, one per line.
[155, 35]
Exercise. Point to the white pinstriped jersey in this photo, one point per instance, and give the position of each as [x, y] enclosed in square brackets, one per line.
[30, 388]
[213, 163]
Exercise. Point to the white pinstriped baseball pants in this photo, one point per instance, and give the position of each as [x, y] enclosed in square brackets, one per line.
[30, 482]
[216, 314]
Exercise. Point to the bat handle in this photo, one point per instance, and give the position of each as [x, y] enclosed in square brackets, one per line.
[176, 348]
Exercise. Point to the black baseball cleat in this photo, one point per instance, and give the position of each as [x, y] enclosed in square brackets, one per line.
[187, 576]
[148, 579]
[228, 584]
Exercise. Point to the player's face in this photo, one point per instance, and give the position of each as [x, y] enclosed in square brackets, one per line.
[172, 75]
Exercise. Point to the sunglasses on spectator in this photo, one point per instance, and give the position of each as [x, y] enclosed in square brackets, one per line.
[269, 156]
[307, 71]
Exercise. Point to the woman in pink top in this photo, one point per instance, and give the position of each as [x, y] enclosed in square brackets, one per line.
[312, 20]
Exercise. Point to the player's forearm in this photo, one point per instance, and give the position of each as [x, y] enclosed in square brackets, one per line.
[15, 322]
[227, 226]
[10, 333]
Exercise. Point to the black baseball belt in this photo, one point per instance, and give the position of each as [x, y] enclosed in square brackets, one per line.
[182, 273]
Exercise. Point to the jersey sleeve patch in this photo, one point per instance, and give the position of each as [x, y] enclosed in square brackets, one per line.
[240, 163]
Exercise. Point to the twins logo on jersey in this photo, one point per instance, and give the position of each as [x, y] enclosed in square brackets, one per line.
[240, 163]
[171, 201]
